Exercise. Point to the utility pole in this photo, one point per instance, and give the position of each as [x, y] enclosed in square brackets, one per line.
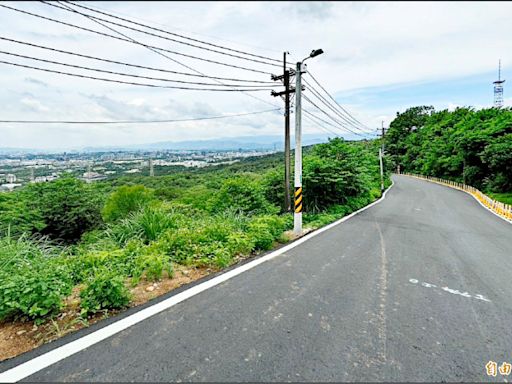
[297, 216]
[381, 154]
[298, 203]
[286, 93]
[286, 74]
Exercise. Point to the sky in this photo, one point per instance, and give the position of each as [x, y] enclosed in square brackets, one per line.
[379, 58]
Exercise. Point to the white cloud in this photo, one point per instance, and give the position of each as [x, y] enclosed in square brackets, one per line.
[34, 104]
[366, 44]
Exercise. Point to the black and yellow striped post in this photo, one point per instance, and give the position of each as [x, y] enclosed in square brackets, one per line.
[298, 199]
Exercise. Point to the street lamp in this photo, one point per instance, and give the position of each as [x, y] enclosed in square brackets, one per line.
[297, 216]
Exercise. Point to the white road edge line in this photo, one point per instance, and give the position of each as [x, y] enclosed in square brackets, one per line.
[51, 357]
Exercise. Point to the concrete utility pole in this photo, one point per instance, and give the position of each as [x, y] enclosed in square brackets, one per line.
[297, 216]
[298, 203]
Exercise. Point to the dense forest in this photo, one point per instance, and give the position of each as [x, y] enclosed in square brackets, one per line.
[465, 145]
[105, 237]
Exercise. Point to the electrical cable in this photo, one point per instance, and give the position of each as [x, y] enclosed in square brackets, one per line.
[333, 99]
[150, 33]
[328, 115]
[133, 41]
[131, 75]
[134, 121]
[172, 33]
[170, 58]
[331, 107]
[131, 83]
[131, 65]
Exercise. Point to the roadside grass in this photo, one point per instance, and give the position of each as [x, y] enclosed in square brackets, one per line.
[503, 197]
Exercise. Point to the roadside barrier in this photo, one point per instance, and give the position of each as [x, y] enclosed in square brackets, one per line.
[501, 209]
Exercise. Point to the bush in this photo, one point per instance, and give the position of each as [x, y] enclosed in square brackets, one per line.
[32, 280]
[67, 207]
[242, 196]
[153, 262]
[240, 243]
[264, 230]
[105, 290]
[125, 200]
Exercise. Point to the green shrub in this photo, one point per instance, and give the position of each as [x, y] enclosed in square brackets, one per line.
[125, 200]
[243, 196]
[105, 290]
[275, 224]
[153, 262]
[68, 208]
[240, 243]
[260, 234]
[33, 282]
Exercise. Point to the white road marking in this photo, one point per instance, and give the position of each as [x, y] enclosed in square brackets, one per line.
[55, 355]
[450, 290]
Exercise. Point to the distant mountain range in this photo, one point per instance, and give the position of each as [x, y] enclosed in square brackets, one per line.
[222, 144]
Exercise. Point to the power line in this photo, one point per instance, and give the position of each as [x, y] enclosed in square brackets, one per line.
[321, 119]
[132, 83]
[173, 33]
[168, 57]
[134, 121]
[321, 126]
[326, 103]
[333, 99]
[133, 41]
[149, 33]
[131, 75]
[129, 64]
[332, 118]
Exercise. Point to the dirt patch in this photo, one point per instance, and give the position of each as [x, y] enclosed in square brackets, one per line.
[21, 336]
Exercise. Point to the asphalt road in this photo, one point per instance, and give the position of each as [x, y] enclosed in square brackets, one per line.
[416, 288]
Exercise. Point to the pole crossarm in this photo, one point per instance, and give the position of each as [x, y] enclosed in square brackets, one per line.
[291, 90]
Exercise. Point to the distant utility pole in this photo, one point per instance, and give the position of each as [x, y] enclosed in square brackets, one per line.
[381, 155]
[151, 169]
[286, 93]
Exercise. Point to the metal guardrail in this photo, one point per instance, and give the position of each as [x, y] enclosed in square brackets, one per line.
[502, 209]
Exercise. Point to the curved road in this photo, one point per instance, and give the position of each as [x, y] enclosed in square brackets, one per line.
[416, 288]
